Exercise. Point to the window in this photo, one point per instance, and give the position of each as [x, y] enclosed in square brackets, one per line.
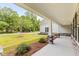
[78, 34]
[46, 29]
[75, 26]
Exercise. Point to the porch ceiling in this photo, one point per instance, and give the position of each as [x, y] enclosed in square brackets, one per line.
[60, 12]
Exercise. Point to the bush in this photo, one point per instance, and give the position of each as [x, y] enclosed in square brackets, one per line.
[22, 48]
[42, 40]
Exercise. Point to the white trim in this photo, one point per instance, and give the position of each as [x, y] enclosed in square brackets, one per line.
[75, 40]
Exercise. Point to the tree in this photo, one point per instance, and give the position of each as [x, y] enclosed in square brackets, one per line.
[3, 25]
[35, 22]
[25, 24]
[11, 17]
[12, 22]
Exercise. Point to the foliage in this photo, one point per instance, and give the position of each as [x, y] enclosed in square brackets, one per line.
[16, 23]
[3, 25]
[22, 48]
[42, 40]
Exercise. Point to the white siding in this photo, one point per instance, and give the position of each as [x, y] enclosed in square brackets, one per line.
[43, 24]
[60, 29]
[56, 28]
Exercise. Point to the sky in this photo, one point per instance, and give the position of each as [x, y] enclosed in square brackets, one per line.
[14, 7]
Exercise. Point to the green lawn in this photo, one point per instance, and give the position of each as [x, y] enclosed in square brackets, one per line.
[12, 41]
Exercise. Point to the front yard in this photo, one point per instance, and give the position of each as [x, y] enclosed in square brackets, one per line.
[9, 42]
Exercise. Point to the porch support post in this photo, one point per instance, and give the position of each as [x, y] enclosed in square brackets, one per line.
[50, 28]
[50, 31]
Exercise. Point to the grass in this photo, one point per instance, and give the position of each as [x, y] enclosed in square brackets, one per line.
[12, 41]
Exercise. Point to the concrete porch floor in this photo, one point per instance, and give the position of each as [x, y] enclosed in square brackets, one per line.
[62, 47]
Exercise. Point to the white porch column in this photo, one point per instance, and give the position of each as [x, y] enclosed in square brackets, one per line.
[50, 32]
[50, 28]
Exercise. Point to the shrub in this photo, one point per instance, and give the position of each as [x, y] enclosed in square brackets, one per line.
[42, 40]
[22, 48]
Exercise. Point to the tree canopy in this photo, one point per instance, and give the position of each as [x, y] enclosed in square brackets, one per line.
[10, 21]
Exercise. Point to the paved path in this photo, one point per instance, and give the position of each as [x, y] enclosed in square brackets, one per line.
[62, 47]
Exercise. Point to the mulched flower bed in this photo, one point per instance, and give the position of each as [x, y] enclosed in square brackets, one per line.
[34, 48]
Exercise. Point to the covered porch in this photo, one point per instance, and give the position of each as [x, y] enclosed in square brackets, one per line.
[63, 47]
[62, 18]
[58, 15]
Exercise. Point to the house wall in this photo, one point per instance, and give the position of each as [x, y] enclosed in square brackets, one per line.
[56, 28]
[43, 24]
